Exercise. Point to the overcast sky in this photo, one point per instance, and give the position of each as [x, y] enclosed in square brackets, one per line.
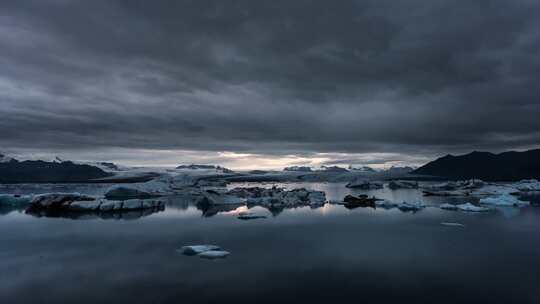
[268, 83]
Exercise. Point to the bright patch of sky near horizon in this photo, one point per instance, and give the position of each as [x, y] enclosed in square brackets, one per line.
[232, 160]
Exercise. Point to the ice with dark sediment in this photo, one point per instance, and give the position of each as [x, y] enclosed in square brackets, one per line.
[75, 202]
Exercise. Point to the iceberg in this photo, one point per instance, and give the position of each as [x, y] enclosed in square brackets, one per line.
[84, 205]
[278, 197]
[81, 203]
[198, 249]
[214, 254]
[450, 224]
[527, 185]
[448, 207]
[468, 207]
[57, 200]
[503, 200]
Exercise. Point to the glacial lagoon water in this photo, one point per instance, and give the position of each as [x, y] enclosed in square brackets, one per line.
[303, 255]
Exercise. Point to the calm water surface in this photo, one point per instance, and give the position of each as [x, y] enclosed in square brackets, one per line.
[325, 255]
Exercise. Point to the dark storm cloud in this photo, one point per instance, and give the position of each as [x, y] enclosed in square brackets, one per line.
[412, 77]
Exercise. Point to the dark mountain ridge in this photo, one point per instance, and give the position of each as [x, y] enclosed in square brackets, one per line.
[506, 166]
[38, 171]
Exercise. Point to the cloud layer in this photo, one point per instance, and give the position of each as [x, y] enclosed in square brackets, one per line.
[420, 77]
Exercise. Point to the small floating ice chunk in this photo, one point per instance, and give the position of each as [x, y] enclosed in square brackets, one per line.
[503, 200]
[452, 224]
[385, 204]
[198, 249]
[214, 254]
[472, 208]
[448, 207]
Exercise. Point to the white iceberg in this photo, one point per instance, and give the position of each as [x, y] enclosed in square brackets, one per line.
[214, 254]
[198, 249]
[503, 200]
[448, 207]
[468, 207]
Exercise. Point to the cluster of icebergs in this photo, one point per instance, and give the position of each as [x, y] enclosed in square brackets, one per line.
[477, 187]
[267, 197]
[75, 202]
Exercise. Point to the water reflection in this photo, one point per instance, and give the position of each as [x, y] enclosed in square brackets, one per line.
[325, 255]
[110, 215]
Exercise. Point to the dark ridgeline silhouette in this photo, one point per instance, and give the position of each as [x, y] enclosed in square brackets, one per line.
[507, 166]
[38, 171]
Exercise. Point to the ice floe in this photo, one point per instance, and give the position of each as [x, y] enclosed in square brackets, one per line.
[503, 200]
[468, 207]
[196, 249]
[214, 254]
[451, 224]
[448, 207]
[527, 185]
[204, 251]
